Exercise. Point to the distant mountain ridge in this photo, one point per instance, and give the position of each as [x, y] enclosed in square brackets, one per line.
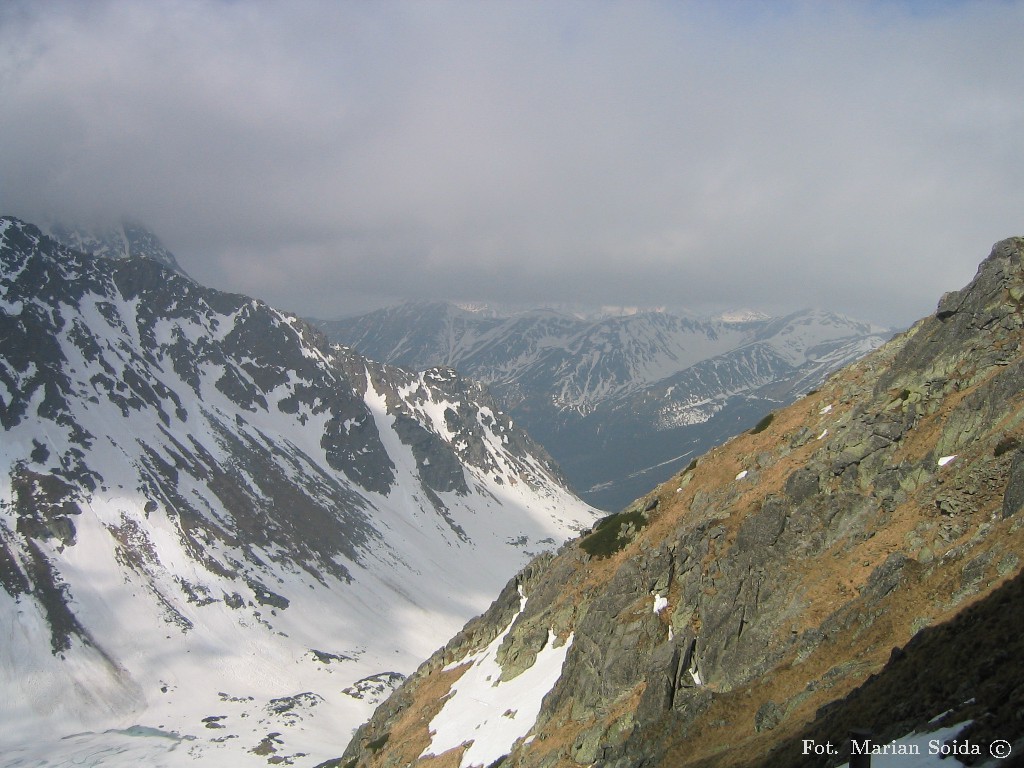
[222, 538]
[619, 400]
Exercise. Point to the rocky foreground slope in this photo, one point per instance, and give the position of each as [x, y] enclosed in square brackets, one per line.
[851, 562]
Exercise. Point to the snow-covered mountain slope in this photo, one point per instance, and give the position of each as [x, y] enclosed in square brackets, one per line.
[660, 385]
[223, 539]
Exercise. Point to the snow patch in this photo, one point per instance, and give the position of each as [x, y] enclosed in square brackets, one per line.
[492, 712]
[660, 603]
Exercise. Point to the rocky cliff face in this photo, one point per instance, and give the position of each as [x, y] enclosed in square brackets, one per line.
[853, 561]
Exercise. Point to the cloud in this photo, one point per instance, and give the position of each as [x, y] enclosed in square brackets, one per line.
[326, 156]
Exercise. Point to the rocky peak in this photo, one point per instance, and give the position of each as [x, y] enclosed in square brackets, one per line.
[970, 326]
[826, 570]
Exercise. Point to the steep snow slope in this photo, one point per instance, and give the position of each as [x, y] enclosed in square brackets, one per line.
[222, 540]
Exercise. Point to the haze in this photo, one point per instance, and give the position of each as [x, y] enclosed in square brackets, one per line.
[331, 157]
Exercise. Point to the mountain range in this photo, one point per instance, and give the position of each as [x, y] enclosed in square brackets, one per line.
[842, 578]
[622, 401]
[222, 538]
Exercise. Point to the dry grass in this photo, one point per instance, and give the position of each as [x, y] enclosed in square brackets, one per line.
[409, 735]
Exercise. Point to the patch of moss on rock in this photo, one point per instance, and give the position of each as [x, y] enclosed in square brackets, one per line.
[612, 533]
[378, 744]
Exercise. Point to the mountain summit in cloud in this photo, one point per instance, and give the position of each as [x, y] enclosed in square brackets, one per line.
[114, 241]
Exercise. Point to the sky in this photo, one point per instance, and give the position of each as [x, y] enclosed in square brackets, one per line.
[332, 157]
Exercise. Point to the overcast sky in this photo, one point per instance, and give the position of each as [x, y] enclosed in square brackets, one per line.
[329, 157]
